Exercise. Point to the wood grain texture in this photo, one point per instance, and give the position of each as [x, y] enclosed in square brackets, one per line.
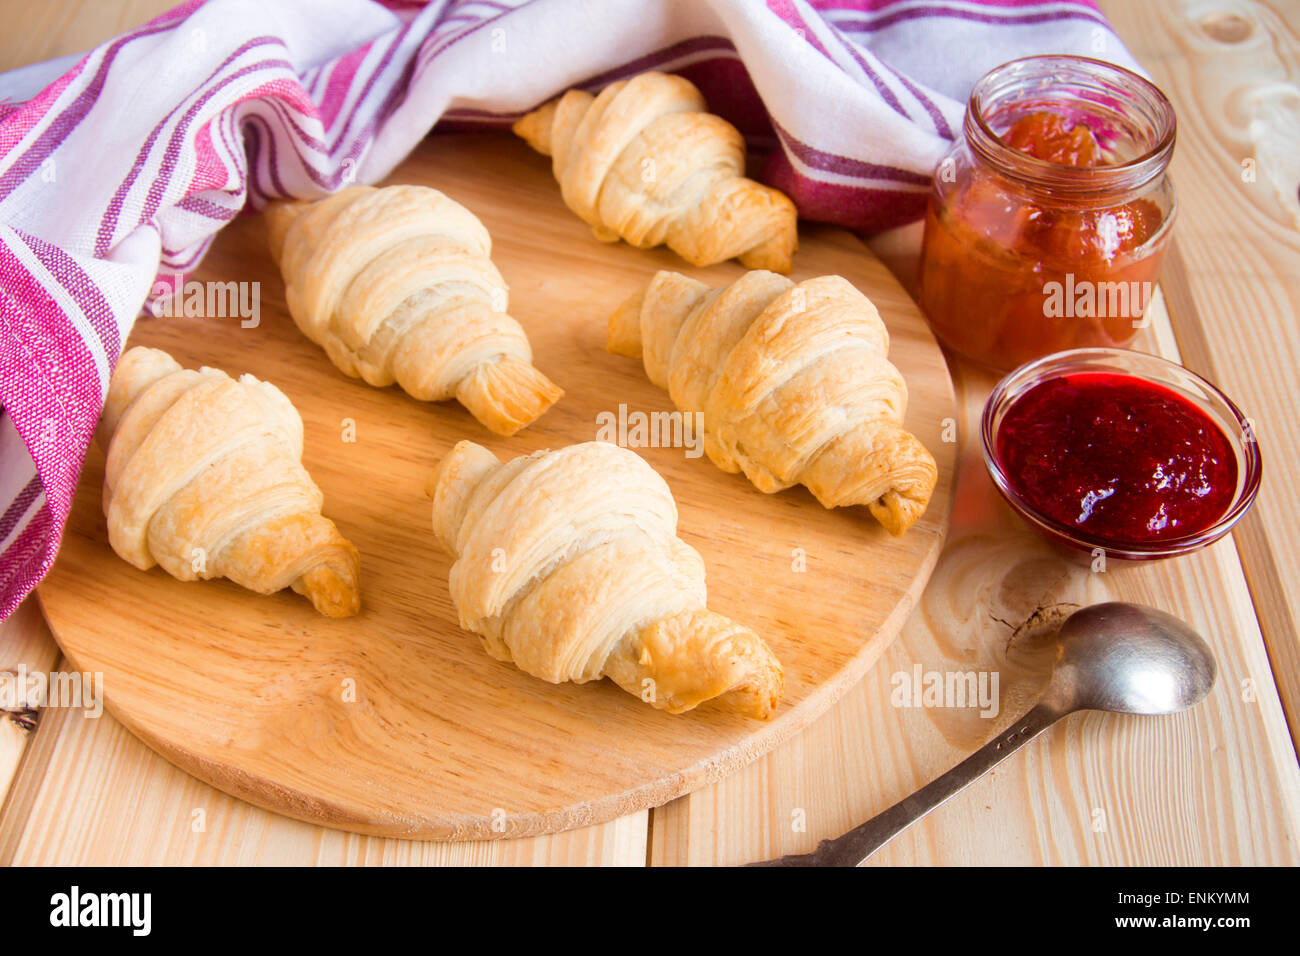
[1217, 785]
[26, 648]
[92, 794]
[42, 31]
[442, 741]
[1232, 71]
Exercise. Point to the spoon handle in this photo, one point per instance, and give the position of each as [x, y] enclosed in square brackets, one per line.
[860, 842]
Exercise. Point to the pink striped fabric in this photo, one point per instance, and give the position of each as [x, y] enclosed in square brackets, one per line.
[118, 167]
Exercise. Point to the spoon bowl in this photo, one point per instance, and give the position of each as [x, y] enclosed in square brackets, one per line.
[1129, 659]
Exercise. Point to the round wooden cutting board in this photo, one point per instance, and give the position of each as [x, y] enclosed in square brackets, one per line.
[396, 722]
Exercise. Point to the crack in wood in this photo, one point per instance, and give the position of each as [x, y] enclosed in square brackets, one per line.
[1043, 623]
[24, 717]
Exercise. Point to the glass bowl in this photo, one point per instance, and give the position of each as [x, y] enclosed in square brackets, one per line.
[1152, 368]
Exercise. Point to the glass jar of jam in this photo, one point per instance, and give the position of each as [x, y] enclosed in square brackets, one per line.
[1048, 219]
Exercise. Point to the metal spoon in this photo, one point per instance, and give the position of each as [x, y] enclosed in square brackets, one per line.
[1117, 657]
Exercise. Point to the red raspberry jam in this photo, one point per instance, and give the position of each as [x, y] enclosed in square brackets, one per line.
[1117, 458]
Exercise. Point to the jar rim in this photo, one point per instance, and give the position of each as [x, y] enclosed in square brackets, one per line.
[1130, 174]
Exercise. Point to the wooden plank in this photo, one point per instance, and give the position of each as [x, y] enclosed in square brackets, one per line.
[93, 794]
[1232, 280]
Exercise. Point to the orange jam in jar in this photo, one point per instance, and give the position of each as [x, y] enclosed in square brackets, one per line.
[1048, 219]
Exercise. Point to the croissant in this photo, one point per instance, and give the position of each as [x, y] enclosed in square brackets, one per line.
[793, 383]
[568, 564]
[644, 161]
[204, 476]
[396, 285]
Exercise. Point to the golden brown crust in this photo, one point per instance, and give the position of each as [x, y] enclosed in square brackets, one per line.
[396, 285]
[794, 384]
[682, 660]
[645, 162]
[568, 564]
[204, 477]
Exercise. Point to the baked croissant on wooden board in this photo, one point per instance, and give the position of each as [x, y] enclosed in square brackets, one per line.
[794, 384]
[204, 476]
[646, 162]
[568, 563]
[396, 285]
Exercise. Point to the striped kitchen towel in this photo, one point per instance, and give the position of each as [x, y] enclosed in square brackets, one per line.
[119, 166]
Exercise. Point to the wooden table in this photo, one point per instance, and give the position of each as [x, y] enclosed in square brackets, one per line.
[1219, 785]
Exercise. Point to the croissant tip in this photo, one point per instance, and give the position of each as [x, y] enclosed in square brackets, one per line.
[760, 695]
[333, 590]
[768, 259]
[280, 215]
[534, 127]
[623, 336]
[341, 610]
[735, 671]
[749, 702]
[897, 513]
[507, 395]
[451, 484]
[509, 426]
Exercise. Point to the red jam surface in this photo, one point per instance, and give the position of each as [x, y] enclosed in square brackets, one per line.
[992, 256]
[1119, 459]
